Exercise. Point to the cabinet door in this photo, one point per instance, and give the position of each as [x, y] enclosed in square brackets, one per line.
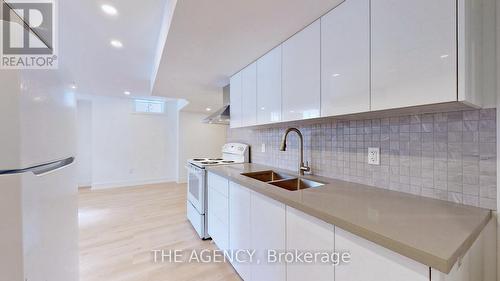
[345, 59]
[268, 233]
[249, 95]
[414, 53]
[309, 234]
[301, 74]
[239, 225]
[479, 263]
[235, 95]
[370, 262]
[218, 210]
[218, 218]
[269, 87]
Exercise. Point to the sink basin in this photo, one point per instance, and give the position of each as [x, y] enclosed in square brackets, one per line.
[291, 183]
[267, 176]
[296, 184]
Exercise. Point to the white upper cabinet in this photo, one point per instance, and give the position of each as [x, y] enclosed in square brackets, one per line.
[301, 74]
[269, 87]
[235, 96]
[249, 95]
[414, 53]
[345, 59]
[373, 55]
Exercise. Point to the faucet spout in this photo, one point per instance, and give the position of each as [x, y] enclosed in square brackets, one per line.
[302, 167]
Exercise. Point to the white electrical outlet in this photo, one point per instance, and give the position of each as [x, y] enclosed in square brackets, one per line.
[263, 148]
[374, 155]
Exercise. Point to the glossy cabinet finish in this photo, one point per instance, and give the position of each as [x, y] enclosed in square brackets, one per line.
[370, 262]
[479, 263]
[268, 232]
[249, 95]
[376, 55]
[301, 74]
[236, 100]
[239, 226]
[218, 210]
[260, 223]
[414, 53]
[345, 59]
[309, 234]
[269, 87]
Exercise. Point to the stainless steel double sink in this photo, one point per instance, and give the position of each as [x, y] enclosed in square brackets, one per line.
[285, 181]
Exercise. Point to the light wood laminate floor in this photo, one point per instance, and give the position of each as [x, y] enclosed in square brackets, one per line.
[120, 227]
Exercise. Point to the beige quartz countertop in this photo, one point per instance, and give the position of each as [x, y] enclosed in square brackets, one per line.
[433, 232]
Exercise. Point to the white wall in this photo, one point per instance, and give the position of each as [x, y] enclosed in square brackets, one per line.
[131, 149]
[197, 139]
[498, 134]
[84, 143]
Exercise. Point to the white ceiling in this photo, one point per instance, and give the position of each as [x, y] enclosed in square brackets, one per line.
[85, 54]
[208, 41]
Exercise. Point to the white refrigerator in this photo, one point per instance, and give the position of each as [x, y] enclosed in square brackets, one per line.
[38, 189]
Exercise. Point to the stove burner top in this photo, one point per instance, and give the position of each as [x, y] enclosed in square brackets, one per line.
[208, 162]
[199, 159]
[227, 161]
[215, 159]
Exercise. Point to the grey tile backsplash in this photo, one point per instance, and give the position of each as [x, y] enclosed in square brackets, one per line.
[449, 156]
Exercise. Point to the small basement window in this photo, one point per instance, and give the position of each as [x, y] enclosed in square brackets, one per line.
[149, 106]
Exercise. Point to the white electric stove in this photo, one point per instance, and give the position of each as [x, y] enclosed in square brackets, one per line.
[232, 153]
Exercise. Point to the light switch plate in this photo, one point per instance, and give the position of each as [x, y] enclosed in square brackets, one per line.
[263, 148]
[374, 155]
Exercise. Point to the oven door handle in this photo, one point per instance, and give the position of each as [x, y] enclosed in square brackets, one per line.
[194, 169]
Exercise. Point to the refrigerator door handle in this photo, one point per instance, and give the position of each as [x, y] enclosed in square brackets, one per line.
[42, 169]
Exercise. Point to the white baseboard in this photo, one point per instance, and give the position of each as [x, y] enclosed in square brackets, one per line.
[106, 185]
[182, 180]
[85, 184]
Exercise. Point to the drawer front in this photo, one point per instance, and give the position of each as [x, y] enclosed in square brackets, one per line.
[218, 205]
[219, 232]
[218, 183]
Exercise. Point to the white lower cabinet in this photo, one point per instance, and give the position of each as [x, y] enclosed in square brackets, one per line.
[309, 235]
[239, 226]
[241, 219]
[267, 229]
[371, 262]
[218, 210]
[479, 264]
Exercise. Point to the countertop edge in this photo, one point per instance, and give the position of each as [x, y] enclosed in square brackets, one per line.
[444, 265]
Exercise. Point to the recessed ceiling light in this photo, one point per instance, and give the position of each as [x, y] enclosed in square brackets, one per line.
[208, 109]
[108, 9]
[336, 75]
[444, 56]
[116, 43]
[73, 86]
[127, 93]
